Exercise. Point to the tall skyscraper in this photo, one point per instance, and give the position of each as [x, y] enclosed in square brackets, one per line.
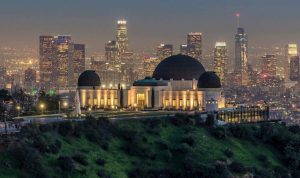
[241, 55]
[122, 38]
[294, 68]
[164, 51]
[183, 49]
[47, 62]
[111, 51]
[194, 45]
[64, 57]
[220, 60]
[291, 50]
[269, 65]
[79, 60]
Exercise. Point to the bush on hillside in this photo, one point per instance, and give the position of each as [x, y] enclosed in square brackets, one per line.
[210, 120]
[228, 153]
[66, 163]
[100, 161]
[66, 128]
[237, 167]
[189, 139]
[219, 132]
[80, 158]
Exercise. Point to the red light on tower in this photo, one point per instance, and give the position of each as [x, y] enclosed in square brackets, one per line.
[237, 14]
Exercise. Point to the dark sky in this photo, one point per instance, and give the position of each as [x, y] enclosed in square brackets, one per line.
[93, 22]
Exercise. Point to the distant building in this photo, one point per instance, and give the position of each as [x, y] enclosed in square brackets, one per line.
[122, 37]
[269, 65]
[183, 49]
[294, 68]
[241, 55]
[47, 62]
[220, 60]
[64, 58]
[291, 50]
[150, 64]
[30, 79]
[79, 60]
[194, 45]
[164, 51]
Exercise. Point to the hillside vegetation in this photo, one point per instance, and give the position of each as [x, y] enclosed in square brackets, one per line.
[180, 146]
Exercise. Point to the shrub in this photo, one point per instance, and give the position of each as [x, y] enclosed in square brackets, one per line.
[163, 144]
[237, 167]
[262, 158]
[219, 132]
[80, 158]
[182, 148]
[66, 163]
[228, 153]
[103, 174]
[189, 139]
[100, 161]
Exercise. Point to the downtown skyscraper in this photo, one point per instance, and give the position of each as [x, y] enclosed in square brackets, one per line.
[291, 51]
[47, 62]
[122, 37]
[220, 60]
[241, 55]
[194, 45]
[268, 67]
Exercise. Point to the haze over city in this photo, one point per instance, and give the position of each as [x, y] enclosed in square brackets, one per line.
[267, 22]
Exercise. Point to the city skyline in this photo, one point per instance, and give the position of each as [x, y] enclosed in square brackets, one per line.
[93, 23]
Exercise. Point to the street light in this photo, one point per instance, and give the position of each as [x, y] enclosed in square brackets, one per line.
[42, 106]
[18, 108]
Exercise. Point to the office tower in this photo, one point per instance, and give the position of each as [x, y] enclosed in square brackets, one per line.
[64, 58]
[79, 60]
[268, 67]
[164, 51]
[183, 49]
[290, 51]
[111, 51]
[241, 55]
[3, 77]
[122, 38]
[220, 60]
[47, 62]
[194, 45]
[294, 68]
[150, 64]
[30, 79]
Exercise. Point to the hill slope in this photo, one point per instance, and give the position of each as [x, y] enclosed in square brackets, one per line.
[167, 147]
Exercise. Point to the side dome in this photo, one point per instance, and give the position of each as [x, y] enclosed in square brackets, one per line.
[89, 78]
[209, 80]
[178, 67]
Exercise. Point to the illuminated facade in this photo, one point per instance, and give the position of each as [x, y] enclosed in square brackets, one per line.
[241, 55]
[291, 50]
[220, 60]
[178, 83]
[122, 38]
[294, 68]
[47, 62]
[64, 59]
[194, 45]
[269, 65]
[150, 64]
[30, 79]
[183, 49]
[164, 51]
[79, 60]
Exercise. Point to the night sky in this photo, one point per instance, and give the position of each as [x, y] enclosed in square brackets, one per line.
[150, 22]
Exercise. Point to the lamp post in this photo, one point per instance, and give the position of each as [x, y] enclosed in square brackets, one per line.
[18, 108]
[42, 106]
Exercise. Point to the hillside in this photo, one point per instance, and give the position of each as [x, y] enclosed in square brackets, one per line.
[181, 146]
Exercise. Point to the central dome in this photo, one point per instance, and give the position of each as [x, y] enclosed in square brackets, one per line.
[178, 67]
[89, 78]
